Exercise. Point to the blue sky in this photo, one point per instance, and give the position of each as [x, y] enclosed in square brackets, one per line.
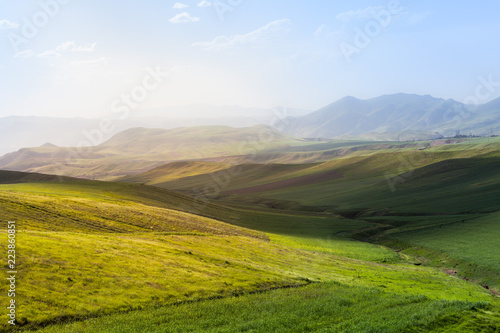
[82, 57]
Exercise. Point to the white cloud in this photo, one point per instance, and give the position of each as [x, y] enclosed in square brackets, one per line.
[49, 54]
[6, 24]
[272, 31]
[91, 63]
[204, 3]
[71, 46]
[184, 17]
[25, 54]
[180, 5]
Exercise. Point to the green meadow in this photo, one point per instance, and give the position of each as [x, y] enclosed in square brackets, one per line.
[322, 307]
[450, 244]
[281, 249]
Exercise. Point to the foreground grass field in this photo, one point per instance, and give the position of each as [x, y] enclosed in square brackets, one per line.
[88, 249]
[71, 275]
[325, 307]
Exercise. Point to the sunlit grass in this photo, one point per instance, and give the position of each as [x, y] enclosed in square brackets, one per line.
[89, 249]
[472, 245]
[327, 307]
[339, 246]
[77, 275]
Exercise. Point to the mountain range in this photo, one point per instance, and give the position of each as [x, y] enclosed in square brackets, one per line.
[389, 117]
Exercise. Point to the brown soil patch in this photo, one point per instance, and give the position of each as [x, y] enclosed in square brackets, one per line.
[450, 271]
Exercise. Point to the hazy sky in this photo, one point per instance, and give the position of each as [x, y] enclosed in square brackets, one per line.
[94, 57]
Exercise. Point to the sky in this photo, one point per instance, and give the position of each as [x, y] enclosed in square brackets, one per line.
[90, 58]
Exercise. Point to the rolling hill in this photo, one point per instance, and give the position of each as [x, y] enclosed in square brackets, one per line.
[412, 225]
[140, 149]
[390, 117]
[18, 132]
[384, 178]
[403, 190]
[90, 249]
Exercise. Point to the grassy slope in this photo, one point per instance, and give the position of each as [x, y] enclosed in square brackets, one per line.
[102, 193]
[460, 181]
[304, 246]
[79, 271]
[456, 183]
[264, 167]
[94, 207]
[365, 177]
[315, 232]
[328, 307]
[174, 170]
[59, 212]
[480, 262]
[449, 179]
[372, 175]
[76, 275]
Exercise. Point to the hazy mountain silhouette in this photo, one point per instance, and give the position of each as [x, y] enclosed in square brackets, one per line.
[399, 114]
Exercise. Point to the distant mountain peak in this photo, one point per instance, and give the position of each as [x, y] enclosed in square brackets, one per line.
[48, 144]
[394, 113]
[349, 98]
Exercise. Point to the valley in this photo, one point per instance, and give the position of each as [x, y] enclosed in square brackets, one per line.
[375, 223]
[228, 166]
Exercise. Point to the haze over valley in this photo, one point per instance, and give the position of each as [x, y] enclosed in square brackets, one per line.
[249, 166]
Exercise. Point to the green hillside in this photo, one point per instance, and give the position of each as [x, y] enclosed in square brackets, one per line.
[330, 307]
[466, 244]
[174, 170]
[393, 180]
[88, 249]
[438, 192]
